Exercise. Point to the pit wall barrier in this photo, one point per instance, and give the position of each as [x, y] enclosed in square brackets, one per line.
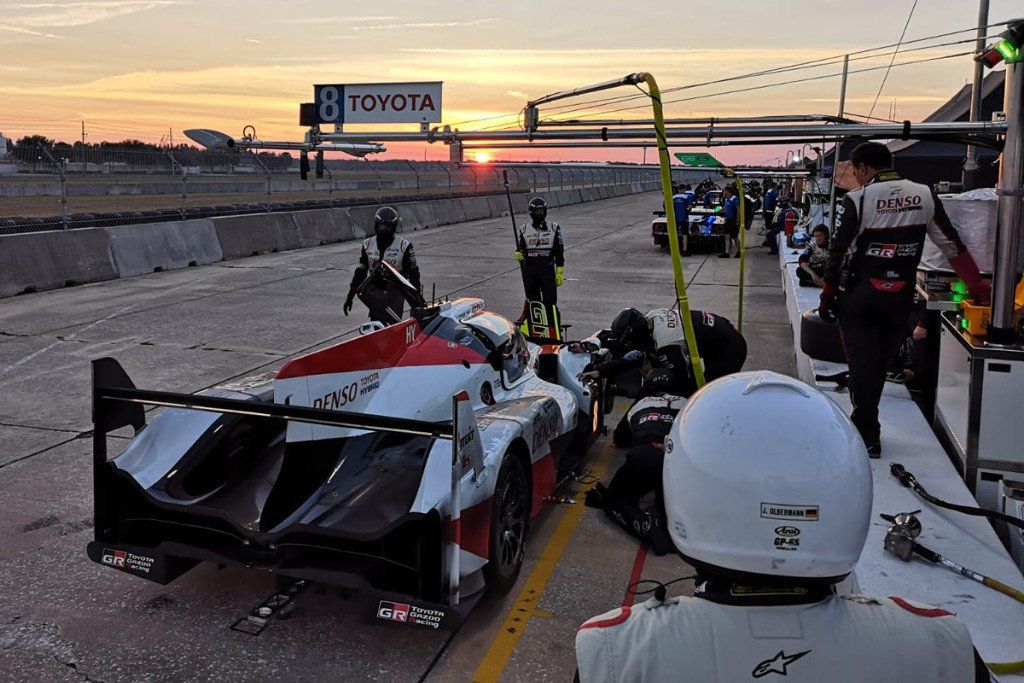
[38, 261]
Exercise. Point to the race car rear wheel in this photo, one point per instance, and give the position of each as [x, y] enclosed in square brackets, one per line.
[510, 522]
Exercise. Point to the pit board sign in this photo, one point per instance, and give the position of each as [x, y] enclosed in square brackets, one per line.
[697, 159]
[378, 103]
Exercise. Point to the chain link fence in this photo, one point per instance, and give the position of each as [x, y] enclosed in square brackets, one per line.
[63, 186]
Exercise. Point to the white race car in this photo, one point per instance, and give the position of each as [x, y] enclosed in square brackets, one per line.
[348, 466]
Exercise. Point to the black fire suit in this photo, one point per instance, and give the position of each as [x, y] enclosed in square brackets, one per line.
[644, 427]
[396, 252]
[871, 270]
[722, 348]
[543, 252]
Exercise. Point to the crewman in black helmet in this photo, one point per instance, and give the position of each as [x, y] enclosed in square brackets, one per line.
[397, 252]
[542, 254]
[656, 341]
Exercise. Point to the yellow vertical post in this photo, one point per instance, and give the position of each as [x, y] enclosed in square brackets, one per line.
[673, 232]
[743, 241]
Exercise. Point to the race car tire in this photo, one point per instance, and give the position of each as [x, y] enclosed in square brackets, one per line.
[820, 340]
[510, 524]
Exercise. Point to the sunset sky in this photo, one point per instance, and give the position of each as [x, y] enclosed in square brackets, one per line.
[137, 68]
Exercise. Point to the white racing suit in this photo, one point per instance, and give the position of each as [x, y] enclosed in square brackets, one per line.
[543, 251]
[849, 638]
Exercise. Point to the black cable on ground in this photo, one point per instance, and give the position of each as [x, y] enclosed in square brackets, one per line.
[910, 481]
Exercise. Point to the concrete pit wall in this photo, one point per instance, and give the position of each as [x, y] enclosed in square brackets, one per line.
[37, 261]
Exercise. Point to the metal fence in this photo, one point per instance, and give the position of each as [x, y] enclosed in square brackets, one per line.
[63, 186]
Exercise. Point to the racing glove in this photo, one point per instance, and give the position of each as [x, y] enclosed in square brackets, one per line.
[980, 289]
[347, 308]
[559, 276]
[519, 256]
[826, 308]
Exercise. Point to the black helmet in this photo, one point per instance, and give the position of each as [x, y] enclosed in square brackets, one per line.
[630, 328]
[538, 209]
[385, 221]
[659, 380]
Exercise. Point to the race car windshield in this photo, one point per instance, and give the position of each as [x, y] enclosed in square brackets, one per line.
[515, 357]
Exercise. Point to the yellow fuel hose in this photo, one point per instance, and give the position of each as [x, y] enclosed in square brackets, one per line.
[670, 224]
[1006, 667]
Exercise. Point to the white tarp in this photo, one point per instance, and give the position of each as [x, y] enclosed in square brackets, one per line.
[974, 216]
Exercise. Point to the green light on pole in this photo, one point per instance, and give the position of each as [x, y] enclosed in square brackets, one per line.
[1010, 52]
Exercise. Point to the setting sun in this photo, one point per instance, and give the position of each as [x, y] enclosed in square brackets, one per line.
[481, 157]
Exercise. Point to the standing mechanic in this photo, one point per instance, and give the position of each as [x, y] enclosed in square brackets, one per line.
[682, 199]
[542, 254]
[869, 280]
[732, 221]
[771, 199]
[397, 252]
[656, 341]
[771, 520]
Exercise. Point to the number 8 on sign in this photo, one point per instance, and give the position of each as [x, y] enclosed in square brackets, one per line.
[329, 107]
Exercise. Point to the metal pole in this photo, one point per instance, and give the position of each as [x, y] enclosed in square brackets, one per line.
[838, 145]
[665, 167]
[454, 510]
[970, 174]
[1011, 197]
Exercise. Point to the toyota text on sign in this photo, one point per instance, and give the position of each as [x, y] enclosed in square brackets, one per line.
[378, 103]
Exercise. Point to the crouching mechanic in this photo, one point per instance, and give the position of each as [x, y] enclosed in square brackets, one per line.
[542, 254]
[644, 427]
[772, 520]
[656, 340]
[397, 252]
[814, 259]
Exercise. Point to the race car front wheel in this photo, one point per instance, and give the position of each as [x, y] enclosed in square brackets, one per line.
[510, 522]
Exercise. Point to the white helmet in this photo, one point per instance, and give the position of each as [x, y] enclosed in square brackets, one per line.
[766, 476]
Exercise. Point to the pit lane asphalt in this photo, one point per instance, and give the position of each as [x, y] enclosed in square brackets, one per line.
[64, 617]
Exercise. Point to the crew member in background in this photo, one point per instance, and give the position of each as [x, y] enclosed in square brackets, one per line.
[812, 262]
[681, 206]
[771, 520]
[731, 213]
[542, 254]
[397, 252]
[656, 341]
[771, 199]
[643, 428]
[872, 265]
[786, 213]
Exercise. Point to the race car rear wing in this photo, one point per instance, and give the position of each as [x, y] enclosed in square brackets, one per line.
[117, 403]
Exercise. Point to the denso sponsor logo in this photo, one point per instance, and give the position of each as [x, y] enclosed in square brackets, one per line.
[337, 399]
[898, 202]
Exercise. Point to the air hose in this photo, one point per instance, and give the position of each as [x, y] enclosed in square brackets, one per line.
[910, 481]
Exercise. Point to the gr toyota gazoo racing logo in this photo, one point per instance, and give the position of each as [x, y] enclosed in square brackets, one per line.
[409, 614]
[114, 558]
[121, 559]
[880, 250]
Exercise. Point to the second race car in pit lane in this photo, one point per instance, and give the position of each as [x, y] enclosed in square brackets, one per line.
[344, 468]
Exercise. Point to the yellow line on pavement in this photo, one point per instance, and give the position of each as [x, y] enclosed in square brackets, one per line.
[525, 606]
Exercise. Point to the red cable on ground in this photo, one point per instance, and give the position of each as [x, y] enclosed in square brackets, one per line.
[634, 575]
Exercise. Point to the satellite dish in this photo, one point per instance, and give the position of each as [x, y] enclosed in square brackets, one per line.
[210, 139]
